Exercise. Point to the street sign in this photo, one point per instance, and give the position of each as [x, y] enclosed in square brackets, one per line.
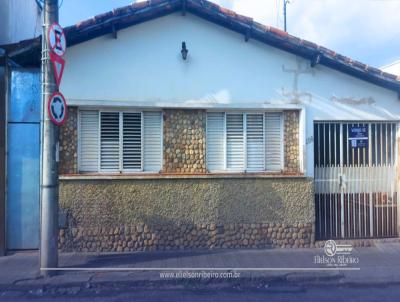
[57, 108]
[58, 65]
[358, 136]
[57, 41]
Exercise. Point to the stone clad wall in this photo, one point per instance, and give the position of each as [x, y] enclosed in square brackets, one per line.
[163, 214]
[184, 141]
[69, 143]
[291, 138]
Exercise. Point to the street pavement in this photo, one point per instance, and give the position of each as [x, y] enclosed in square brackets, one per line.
[212, 272]
[277, 293]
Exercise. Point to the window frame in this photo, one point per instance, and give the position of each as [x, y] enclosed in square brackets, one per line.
[120, 111]
[245, 155]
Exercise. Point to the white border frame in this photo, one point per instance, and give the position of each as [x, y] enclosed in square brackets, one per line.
[120, 111]
[253, 111]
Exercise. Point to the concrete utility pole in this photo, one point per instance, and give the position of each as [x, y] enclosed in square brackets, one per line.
[49, 153]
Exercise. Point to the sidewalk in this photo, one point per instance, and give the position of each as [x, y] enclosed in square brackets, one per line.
[377, 265]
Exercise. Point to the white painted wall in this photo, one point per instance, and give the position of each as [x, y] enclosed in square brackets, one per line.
[19, 20]
[144, 68]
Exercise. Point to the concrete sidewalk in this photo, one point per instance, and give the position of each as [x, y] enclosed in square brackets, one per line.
[377, 265]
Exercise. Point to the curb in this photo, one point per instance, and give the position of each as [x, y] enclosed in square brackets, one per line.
[285, 283]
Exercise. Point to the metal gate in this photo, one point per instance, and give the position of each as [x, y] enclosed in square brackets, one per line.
[23, 164]
[355, 180]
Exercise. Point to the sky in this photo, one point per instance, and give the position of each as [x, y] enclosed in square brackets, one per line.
[365, 30]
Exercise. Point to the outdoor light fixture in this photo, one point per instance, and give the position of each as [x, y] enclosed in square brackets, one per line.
[184, 50]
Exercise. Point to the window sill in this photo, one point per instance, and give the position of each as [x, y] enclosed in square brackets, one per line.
[101, 176]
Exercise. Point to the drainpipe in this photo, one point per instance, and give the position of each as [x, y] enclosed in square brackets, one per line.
[3, 64]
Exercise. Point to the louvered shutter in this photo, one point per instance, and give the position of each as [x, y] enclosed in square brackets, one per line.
[215, 141]
[273, 141]
[109, 144]
[89, 141]
[132, 141]
[234, 142]
[255, 142]
[152, 141]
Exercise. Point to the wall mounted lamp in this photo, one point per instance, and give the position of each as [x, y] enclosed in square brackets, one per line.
[184, 50]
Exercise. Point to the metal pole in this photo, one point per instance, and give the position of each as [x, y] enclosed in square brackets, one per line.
[3, 144]
[285, 2]
[49, 154]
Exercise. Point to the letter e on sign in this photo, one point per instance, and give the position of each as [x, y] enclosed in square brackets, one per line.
[57, 41]
[57, 108]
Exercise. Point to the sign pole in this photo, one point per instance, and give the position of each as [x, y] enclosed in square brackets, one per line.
[49, 153]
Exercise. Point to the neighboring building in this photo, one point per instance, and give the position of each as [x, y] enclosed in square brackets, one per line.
[19, 20]
[256, 138]
[392, 68]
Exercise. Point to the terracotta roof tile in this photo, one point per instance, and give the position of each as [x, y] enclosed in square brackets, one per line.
[139, 5]
[309, 44]
[278, 32]
[145, 10]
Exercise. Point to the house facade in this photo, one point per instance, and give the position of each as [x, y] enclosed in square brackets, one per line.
[19, 20]
[190, 126]
[218, 149]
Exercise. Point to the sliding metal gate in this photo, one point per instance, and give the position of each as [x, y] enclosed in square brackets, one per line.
[355, 180]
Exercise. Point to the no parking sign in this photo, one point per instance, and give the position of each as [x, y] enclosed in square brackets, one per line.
[57, 41]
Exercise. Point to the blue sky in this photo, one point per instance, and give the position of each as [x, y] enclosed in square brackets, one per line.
[365, 30]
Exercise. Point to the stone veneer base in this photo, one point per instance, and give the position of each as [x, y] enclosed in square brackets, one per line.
[204, 236]
[163, 214]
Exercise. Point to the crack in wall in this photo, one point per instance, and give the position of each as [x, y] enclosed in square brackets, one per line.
[295, 96]
[353, 101]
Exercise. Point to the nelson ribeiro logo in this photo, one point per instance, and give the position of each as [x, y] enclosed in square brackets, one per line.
[331, 248]
[336, 255]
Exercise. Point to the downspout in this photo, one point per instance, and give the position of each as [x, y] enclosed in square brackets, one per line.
[3, 161]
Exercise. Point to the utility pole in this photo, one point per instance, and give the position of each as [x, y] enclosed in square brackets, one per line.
[49, 153]
[285, 2]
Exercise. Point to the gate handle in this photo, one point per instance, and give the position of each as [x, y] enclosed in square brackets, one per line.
[342, 180]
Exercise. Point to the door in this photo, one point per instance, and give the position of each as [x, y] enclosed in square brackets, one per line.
[23, 160]
[355, 180]
[23, 186]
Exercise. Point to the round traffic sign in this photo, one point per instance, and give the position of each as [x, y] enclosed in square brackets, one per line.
[57, 108]
[57, 41]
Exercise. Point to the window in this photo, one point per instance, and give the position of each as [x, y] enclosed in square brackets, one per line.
[113, 141]
[244, 141]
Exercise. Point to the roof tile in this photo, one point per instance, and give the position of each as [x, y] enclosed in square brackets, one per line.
[136, 12]
[278, 32]
[139, 5]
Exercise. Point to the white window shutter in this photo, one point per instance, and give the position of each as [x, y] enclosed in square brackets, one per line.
[132, 141]
[273, 141]
[234, 142]
[255, 142]
[109, 141]
[152, 141]
[89, 141]
[215, 141]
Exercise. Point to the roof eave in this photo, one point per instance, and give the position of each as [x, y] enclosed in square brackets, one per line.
[140, 12]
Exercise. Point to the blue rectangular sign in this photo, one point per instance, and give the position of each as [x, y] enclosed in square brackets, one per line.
[358, 136]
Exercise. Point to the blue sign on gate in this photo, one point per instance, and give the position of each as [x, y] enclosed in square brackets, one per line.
[358, 136]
